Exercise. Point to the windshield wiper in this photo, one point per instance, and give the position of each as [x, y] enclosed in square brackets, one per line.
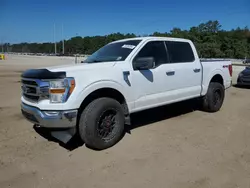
[93, 61]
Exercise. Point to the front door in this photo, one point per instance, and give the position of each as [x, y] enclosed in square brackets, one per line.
[149, 86]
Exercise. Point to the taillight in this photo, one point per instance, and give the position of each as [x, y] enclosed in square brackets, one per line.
[230, 68]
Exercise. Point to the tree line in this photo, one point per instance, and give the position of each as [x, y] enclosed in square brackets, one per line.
[209, 38]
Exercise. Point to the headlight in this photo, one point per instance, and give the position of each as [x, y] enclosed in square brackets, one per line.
[60, 90]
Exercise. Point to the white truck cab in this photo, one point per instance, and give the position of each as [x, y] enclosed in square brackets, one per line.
[95, 98]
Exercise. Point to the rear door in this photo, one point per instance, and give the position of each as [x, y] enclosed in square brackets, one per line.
[184, 71]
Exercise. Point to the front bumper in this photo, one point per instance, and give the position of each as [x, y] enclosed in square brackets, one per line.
[243, 81]
[50, 119]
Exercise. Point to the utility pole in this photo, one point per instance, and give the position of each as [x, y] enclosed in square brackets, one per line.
[55, 37]
[62, 41]
[2, 45]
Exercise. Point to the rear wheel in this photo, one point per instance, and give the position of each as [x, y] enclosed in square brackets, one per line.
[101, 123]
[214, 98]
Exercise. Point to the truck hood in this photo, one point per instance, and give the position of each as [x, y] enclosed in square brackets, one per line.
[80, 67]
[62, 71]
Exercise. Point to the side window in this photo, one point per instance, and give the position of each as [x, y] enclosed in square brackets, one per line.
[180, 52]
[155, 49]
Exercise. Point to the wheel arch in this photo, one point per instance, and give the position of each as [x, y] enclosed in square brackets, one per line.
[104, 92]
[215, 76]
[103, 89]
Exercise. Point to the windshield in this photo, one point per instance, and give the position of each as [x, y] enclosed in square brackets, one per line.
[117, 51]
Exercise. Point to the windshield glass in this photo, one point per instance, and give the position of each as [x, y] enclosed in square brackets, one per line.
[117, 51]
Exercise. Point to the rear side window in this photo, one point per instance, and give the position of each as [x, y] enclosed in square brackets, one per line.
[180, 52]
[155, 49]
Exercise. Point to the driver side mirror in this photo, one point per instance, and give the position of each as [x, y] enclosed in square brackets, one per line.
[144, 63]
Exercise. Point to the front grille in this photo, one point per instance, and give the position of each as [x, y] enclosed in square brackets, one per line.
[30, 82]
[35, 90]
[246, 77]
[30, 117]
[245, 81]
[31, 97]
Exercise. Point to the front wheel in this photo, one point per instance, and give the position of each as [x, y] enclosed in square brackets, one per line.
[101, 123]
[214, 98]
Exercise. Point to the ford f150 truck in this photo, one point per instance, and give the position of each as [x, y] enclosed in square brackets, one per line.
[94, 99]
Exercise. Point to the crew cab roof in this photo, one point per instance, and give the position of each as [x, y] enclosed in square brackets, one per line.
[154, 38]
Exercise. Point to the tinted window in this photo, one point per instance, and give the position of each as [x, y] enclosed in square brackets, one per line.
[155, 49]
[117, 51]
[180, 52]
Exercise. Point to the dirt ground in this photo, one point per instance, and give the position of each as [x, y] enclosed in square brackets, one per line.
[173, 146]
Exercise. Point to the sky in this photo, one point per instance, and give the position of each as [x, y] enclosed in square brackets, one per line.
[34, 20]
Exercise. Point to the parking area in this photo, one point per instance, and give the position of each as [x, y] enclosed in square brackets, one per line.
[174, 146]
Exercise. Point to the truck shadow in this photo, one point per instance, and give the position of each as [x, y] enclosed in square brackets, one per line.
[73, 144]
[154, 115]
[139, 119]
[241, 86]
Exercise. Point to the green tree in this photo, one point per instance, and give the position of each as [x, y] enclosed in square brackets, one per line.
[209, 39]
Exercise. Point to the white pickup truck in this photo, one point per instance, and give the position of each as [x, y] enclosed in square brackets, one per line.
[94, 99]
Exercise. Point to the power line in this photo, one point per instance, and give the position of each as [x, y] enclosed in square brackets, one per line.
[2, 44]
[55, 37]
[62, 40]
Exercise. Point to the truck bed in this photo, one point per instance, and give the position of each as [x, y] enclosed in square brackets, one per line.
[215, 67]
[212, 60]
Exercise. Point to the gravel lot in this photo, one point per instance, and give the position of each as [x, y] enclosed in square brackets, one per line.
[166, 147]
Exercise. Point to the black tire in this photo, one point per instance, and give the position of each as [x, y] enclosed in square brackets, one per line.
[214, 98]
[93, 132]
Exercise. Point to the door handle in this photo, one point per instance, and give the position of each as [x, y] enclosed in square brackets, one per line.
[197, 70]
[170, 73]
